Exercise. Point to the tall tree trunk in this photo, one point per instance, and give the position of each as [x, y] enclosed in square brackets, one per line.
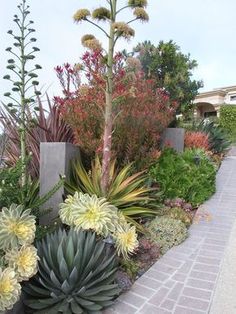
[107, 135]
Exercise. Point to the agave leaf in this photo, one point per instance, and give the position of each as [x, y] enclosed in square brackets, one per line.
[64, 308]
[51, 310]
[104, 279]
[75, 308]
[54, 279]
[103, 288]
[90, 306]
[64, 269]
[69, 253]
[73, 278]
[66, 288]
[37, 290]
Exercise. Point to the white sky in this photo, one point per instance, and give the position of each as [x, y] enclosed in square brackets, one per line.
[204, 28]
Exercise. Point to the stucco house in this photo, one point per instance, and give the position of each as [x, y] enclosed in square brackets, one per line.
[208, 103]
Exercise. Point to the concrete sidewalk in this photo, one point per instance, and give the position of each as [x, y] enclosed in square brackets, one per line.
[194, 277]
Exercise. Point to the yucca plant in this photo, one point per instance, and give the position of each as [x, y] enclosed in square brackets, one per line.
[76, 275]
[125, 191]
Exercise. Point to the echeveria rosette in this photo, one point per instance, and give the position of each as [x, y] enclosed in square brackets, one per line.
[89, 213]
[10, 289]
[17, 227]
[24, 261]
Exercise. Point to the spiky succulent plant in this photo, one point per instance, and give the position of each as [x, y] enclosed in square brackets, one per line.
[89, 212]
[76, 275]
[17, 227]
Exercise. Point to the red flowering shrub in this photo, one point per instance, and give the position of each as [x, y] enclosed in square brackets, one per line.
[196, 140]
[140, 112]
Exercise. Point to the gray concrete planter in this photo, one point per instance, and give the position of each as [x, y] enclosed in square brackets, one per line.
[55, 160]
[174, 137]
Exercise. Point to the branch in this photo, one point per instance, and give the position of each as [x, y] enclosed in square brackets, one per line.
[133, 20]
[125, 7]
[98, 27]
[15, 100]
[15, 55]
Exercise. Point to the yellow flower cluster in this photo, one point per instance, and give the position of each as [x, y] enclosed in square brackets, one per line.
[93, 213]
[123, 29]
[17, 232]
[141, 14]
[81, 15]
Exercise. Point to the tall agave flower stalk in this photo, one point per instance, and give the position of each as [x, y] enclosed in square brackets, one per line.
[116, 30]
[21, 97]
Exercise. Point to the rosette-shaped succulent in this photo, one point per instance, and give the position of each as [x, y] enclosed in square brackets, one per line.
[10, 289]
[89, 212]
[24, 261]
[76, 275]
[126, 241]
[17, 226]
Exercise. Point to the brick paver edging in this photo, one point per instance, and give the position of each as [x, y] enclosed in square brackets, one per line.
[183, 281]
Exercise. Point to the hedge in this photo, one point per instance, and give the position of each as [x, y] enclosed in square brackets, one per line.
[228, 119]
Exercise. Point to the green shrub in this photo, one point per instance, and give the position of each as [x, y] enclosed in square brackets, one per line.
[190, 175]
[167, 232]
[76, 275]
[12, 191]
[228, 120]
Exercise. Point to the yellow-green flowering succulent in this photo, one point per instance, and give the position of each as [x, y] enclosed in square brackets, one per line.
[86, 212]
[126, 241]
[89, 212]
[17, 227]
[10, 289]
[24, 261]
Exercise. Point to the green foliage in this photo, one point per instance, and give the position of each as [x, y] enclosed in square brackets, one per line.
[217, 137]
[9, 181]
[179, 213]
[126, 192]
[228, 120]
[171, 69]
[190, 175]
[167, 232]
[76, 275]
[13, 192]
[131, 267]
